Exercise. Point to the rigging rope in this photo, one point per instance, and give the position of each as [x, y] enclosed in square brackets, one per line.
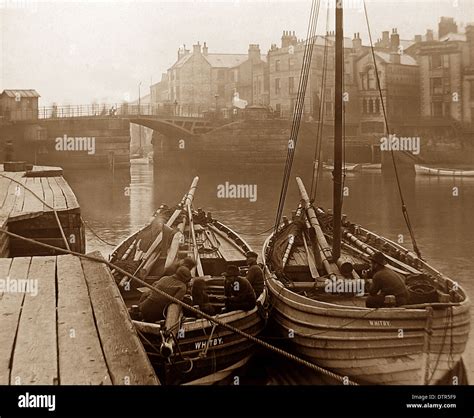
[319, 136]
[198, 312]
[299, 106]
[404, 208]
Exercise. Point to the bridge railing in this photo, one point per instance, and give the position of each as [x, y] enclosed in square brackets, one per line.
[98, 110]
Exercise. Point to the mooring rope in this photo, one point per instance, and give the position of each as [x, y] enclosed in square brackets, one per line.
[344, 379]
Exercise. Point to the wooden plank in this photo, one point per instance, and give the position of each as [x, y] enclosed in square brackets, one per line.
[20, 199]
[4, 184]
[35, 360]
[10, 310]
[32, 204]
[126, 357]
[47, 194]
[58, 197]
[8, 204]
[81, 360]
[71, 199]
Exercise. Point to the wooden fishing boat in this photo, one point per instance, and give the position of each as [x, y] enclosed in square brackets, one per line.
[417, 344]
[183, 348]
[348, 167]
[442, 172]
[371, 167]
[315, 268]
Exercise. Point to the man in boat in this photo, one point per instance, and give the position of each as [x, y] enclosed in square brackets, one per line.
[153, 307]
[255, 273]
[173, 267]
[202, 298]
[238, 291]
[385, 282]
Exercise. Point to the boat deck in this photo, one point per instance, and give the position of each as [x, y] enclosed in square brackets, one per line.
[23, 213]
[68, 326]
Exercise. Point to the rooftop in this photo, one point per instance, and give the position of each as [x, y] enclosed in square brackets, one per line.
[21, 93]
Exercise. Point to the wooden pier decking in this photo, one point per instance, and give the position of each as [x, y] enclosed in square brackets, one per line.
[75, 330]
[24, 214]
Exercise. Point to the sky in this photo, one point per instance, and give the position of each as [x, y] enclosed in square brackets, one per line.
[80, 52]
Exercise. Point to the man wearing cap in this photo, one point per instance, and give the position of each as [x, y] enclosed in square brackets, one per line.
[385, 282]
[255, 273]
[153, 307]
[238, 291]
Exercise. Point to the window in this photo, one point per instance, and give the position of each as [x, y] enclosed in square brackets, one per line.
[291, 85]
[278, 108]
[371, 79]
[364, 106]
[472, 90]
[437, 109]
[436, 86]
[363, 78]
[446, 61]
[435, 61]
[371, 106]
[277, 86]
[327, 93]
[221, 75]
[291, 63]
[277, 65]
[377, 106]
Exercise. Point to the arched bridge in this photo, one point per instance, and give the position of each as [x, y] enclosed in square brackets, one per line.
[145, 115]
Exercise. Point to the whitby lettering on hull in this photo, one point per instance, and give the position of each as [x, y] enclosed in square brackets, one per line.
[209, 343]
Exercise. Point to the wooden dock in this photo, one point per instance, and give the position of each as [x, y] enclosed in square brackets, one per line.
[75, 330]
[22, 213]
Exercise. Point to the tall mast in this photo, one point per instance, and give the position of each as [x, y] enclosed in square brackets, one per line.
[337, 186]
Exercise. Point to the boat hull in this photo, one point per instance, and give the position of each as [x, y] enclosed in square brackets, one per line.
[383, 346]
[205, 354]
[442, 172]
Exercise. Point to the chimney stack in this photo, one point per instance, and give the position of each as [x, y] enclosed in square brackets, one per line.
[197, 48]
[385, 43]
[418, 38]
[394, 41]
[204, 49]
[429, 35]
[446, 25]
[254, 53]
[356, 42]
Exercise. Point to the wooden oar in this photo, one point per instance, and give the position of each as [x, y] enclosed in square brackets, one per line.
[197, 259]
[309, 255]
[150, 257]
[325, 251]
[174, 247]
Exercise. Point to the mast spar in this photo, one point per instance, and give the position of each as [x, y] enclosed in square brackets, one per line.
[338, 109]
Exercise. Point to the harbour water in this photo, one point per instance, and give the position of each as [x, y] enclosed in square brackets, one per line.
[440, 208]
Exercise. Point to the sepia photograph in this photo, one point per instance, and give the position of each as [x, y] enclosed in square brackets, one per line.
[269, 198]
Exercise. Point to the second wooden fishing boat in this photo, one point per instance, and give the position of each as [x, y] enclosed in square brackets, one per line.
[185, 348]
[442, 172]
[320, 309]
